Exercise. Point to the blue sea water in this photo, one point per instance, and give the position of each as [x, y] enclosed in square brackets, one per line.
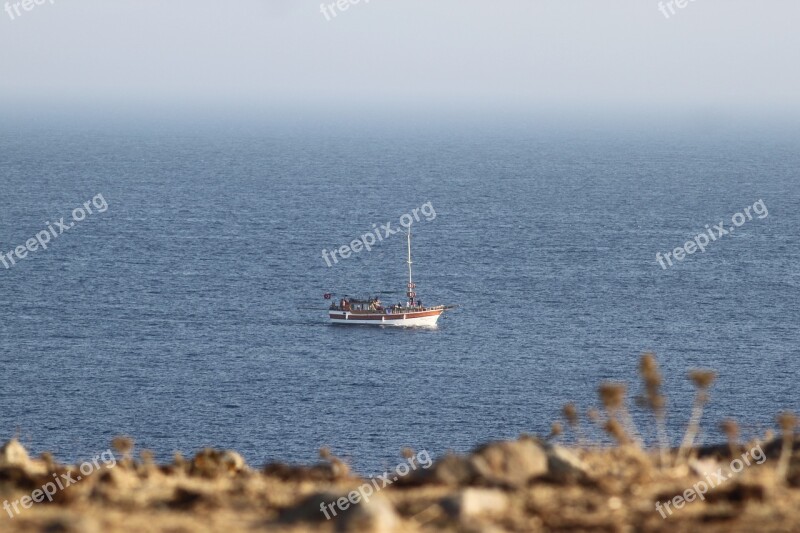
[190, 313]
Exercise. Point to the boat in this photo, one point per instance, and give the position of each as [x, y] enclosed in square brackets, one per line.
[372, 312]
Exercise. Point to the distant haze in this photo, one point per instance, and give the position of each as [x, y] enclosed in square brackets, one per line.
[714, 56]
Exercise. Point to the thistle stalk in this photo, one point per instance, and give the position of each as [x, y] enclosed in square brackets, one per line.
[652, 380]
[702, 380]
[787, 421]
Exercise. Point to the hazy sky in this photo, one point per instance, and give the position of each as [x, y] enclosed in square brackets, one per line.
[728, 55]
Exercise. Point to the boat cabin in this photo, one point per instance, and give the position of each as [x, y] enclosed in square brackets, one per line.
[354, 305]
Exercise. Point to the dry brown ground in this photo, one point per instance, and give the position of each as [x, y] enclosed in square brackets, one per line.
[523, 485]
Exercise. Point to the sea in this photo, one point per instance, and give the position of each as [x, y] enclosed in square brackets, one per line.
[184, 305]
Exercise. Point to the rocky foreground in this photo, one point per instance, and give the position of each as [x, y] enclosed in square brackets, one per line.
[522, 485]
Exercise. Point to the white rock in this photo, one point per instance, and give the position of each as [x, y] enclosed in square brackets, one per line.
[563, 465]
[474, 502]
[14, 454]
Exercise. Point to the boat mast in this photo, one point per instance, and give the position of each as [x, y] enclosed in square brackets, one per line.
[409, 258]
[411, 286]
[412, 295]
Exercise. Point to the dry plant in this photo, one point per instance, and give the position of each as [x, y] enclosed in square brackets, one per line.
[648, 368]
[731, 430]
[787, 421]
[325, 453]
[593, 414]
[180, 463]
[702, 380]
[574, 421]
[617, 432]
[339, 467]
[555, 430]
[619, 424]
[124, 445]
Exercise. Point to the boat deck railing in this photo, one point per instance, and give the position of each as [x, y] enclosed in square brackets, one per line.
[391, 310]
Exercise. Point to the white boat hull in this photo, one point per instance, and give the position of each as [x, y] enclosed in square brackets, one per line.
[413, 319]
